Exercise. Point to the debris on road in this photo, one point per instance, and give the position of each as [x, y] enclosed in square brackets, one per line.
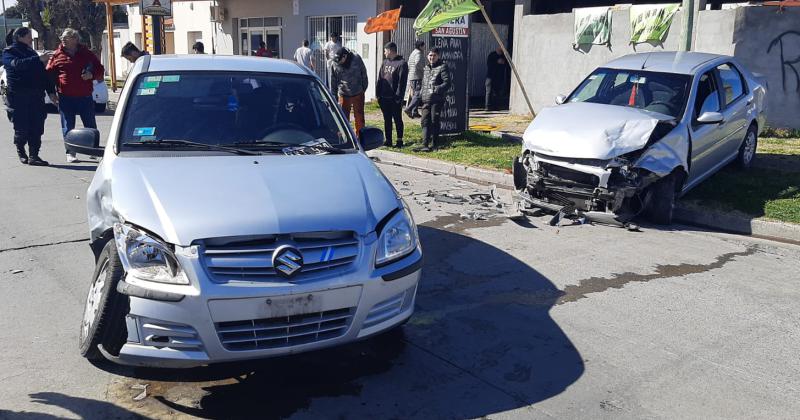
[141, 395]
[17, 271]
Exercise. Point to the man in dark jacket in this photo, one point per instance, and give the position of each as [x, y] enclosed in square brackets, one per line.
[436, 81]
[391, 89]
[27, 83]
[496, 79]
[349, 82]
[74, 68]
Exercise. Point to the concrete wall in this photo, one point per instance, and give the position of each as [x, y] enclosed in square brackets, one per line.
[550, 66]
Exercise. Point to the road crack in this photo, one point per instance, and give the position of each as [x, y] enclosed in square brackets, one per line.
[70, 241]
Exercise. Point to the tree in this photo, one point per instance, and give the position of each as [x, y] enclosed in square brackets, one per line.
[12, 13]
[50, 17]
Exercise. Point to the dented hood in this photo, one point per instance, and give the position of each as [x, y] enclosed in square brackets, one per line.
[190, 198]
[591, 131]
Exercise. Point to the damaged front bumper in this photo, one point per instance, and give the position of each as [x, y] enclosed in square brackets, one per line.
[603, 191]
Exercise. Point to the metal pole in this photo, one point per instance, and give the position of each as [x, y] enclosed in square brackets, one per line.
[507, 56]
[112, 62]
[687, 25]
[5, 24]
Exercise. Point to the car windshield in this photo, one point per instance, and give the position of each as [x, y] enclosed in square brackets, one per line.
[244, 110]
[652, 91]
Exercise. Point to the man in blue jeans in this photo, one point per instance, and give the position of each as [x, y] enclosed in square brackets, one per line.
[75, 68]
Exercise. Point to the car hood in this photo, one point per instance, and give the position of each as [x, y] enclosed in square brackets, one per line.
[591, 131]
[183, 199]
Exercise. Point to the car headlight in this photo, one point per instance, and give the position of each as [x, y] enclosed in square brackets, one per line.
[398, 239]
[146, 257]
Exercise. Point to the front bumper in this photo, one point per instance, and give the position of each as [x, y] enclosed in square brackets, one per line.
[224, 322]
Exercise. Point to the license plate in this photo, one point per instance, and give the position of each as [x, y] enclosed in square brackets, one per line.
[293, 305]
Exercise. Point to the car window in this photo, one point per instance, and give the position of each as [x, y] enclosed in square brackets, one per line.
[707, 99]
[732, 83]
[664, 93]
[225, 108]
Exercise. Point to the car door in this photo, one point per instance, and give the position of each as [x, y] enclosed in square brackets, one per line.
[705, 137]
[735, 106]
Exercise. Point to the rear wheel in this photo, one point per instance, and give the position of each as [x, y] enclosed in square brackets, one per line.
[662, 200]
[104, 313]
[747, 151]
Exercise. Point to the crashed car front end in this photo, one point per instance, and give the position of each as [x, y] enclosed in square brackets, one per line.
[602, 169]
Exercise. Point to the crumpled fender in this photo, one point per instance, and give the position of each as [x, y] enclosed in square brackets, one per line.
[665, 155]
[99, 203]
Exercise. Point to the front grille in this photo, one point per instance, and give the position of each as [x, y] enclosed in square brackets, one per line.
[566, 175]
[250, 259]
[284, 331]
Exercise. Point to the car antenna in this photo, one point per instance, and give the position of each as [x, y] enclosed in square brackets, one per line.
[645, 59]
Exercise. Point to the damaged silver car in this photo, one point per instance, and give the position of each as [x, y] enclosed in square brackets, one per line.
[639, 132]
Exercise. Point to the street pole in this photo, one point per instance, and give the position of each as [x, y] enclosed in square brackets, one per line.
[112, 62]
[5, 24]
[687, 25]
[507, 56]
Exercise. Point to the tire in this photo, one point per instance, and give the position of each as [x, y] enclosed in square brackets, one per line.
[747, 151]
[103, 321]
[662, 200]
[99, 108]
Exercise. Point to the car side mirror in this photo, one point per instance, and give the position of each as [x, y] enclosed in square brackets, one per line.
[560, 99]
[371, 138]
[711, 118]
[85, 141]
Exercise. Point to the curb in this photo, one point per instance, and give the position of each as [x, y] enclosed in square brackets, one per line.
[686, 212]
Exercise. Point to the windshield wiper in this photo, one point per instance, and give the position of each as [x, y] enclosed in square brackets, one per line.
[293, 146]
[194, 144]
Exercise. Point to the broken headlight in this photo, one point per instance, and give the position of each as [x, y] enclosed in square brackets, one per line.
[146, 257]
[398, 239]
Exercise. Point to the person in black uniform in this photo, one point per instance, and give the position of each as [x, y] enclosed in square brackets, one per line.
[436, 81]
[27, 83]
[391, 89]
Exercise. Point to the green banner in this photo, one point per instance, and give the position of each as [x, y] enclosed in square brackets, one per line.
[593, 26]
[439, 12]
[651, 23]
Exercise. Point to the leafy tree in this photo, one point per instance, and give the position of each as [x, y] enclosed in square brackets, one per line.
[50, 17]
[13, 13]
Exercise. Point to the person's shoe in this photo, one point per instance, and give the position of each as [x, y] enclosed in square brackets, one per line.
[94, 159]
[388, 144]
[23, 160]
[71, 158]
[416, 115]
[408, 112]
[426, 149]
[399, 144]
[37, 161]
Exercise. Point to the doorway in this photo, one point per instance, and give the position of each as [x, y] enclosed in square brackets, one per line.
[253, 31]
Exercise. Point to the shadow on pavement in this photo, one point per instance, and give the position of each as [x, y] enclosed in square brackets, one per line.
[481, 342]
[72, 167]
[82, 407]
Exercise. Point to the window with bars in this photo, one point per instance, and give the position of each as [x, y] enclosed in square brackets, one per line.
[320, 28]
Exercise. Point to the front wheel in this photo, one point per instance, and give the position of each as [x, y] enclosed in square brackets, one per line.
[747, 151]
[662, 200]
[104, 313]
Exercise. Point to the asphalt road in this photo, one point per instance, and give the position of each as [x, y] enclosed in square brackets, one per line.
[513, 321]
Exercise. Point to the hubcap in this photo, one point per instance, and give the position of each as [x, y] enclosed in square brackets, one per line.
[93, 301]
[749, 147]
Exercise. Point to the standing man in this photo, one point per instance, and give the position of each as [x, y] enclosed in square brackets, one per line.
[331, 48]
[349, 82]
[75, 68]
[416, 68]
[27, 83]
[131, 53]
[390, 92]
[436, 81]
[303, 55]
[496, 79]
[199, 48]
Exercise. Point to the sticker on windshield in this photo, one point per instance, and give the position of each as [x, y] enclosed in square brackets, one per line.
[152, 79]
[144, 131]
[171, 79]
[146, 92]
[147, 138]
[149, 85]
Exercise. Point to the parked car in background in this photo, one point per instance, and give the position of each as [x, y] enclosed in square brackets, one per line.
[234, 216]
[99, 94]
[637, 133]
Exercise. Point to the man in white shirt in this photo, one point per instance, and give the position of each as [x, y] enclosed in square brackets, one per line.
[303, 55]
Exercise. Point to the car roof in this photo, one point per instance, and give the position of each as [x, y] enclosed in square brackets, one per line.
[209, 62]
[666, 62]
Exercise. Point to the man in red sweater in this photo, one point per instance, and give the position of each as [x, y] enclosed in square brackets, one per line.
[75, 68]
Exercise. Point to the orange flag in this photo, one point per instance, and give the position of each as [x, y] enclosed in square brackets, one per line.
[386, 21]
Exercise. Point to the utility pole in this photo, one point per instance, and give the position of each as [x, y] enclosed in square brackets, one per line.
[687, 24]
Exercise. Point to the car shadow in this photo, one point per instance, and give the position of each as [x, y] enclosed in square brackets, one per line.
[481, 341]
[88, 166]
[83, 408]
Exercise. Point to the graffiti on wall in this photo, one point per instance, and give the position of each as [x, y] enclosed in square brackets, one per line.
[787, 63]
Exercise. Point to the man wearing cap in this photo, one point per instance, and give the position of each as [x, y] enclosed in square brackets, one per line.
[349, 82]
